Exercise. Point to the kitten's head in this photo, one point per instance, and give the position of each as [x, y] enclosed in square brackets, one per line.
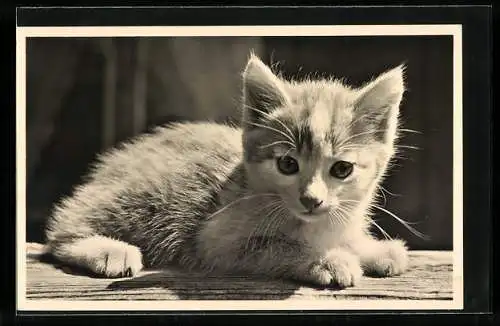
[321, 145]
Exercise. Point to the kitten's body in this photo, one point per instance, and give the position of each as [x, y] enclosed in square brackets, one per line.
[207, 196]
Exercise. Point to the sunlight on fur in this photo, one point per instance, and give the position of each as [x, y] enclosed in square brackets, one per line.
[288, 194]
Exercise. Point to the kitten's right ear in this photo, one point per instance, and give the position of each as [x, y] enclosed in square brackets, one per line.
[263, 91]
[379, 102]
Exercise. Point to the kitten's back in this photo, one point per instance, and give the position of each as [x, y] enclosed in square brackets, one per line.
[154, 190]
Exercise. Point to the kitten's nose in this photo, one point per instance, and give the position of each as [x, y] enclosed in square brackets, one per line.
[310, 202]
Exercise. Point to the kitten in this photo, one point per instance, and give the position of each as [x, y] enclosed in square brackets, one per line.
[287, 195]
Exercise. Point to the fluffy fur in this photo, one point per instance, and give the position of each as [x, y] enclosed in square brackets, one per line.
[211, 197]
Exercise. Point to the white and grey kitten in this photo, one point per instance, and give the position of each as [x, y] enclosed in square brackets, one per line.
[287, 195]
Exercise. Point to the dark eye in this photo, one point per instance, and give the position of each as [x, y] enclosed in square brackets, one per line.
[341, 169]
[287, 165]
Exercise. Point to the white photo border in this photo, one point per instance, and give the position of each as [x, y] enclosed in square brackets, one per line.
[22, 33]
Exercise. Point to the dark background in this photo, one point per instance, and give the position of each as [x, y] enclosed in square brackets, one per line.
[85, 95]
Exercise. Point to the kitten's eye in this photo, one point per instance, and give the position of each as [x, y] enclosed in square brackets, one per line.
[341, 169]
[287, 165]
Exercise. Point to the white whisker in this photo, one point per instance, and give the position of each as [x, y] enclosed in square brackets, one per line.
[279, 142]
[410, 131]
[407, 146]
[270, 221]
[261, 224]
[383, 194]
[282, 214]
[344, 141]
[272, 129]
[271, 118]
[387, 191]
[262, 228]
[339, 217]
[397, 218]
[352, 123]
[386, 235]
[237, 201]
[403, 222]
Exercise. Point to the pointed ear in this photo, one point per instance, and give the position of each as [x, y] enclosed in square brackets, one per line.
[263, 91]
[378, 103]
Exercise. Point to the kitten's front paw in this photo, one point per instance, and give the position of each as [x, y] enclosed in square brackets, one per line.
[390, 261]
[118, 260]
[339, 268]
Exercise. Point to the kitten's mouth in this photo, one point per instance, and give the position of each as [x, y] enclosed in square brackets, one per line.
[312, 213]
[310, 216]
[315, 212]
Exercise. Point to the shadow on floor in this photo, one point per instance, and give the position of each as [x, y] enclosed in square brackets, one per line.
[189, 286]
[194, 286]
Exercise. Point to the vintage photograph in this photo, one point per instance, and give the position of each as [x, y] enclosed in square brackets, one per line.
[317, 168]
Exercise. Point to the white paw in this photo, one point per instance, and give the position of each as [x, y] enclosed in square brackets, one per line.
[390, 261]
[117, 260]
[338, 268]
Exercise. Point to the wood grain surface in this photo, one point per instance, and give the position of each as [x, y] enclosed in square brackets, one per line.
[429, 277]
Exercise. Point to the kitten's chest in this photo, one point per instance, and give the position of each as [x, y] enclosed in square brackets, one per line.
[322, 236]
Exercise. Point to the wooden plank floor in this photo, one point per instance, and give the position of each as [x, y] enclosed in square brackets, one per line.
[429, 277]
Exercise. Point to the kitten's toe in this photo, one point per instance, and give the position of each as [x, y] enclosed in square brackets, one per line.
[100, 255]
[345, 268]
[394, 260]
[338, 269]
[119, 261]
[319, 275]
[345, 275]
[384, 267]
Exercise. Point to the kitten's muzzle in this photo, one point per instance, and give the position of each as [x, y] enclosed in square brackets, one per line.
[310, 203]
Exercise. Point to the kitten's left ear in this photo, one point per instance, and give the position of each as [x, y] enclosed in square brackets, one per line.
[379, 102]
[263, 91]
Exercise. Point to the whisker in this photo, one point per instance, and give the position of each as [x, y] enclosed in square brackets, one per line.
[336, 217]
[399, 157]
[279, 220]
[269, 205]
[331, 222]
[386, 235]
[371, 221]
[387, 191]
[272, 129]
[282, 214]
[343, 214]
[383, 194]
[352, 123]
[349, 201]
[271, 219]
[403, 222]
[333, 213]
[288, 151]
[359, 134]
[410, 131]
[341, 217]
[259, 226]
[407, 146]
[400, 220]
[344, 141]
[279, 142]
[357, 146]
[237, 201]
[271, 118]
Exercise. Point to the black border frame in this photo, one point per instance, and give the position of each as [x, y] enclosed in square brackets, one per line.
[476, 24]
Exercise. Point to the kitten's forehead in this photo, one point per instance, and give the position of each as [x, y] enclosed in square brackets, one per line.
[325, 113]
